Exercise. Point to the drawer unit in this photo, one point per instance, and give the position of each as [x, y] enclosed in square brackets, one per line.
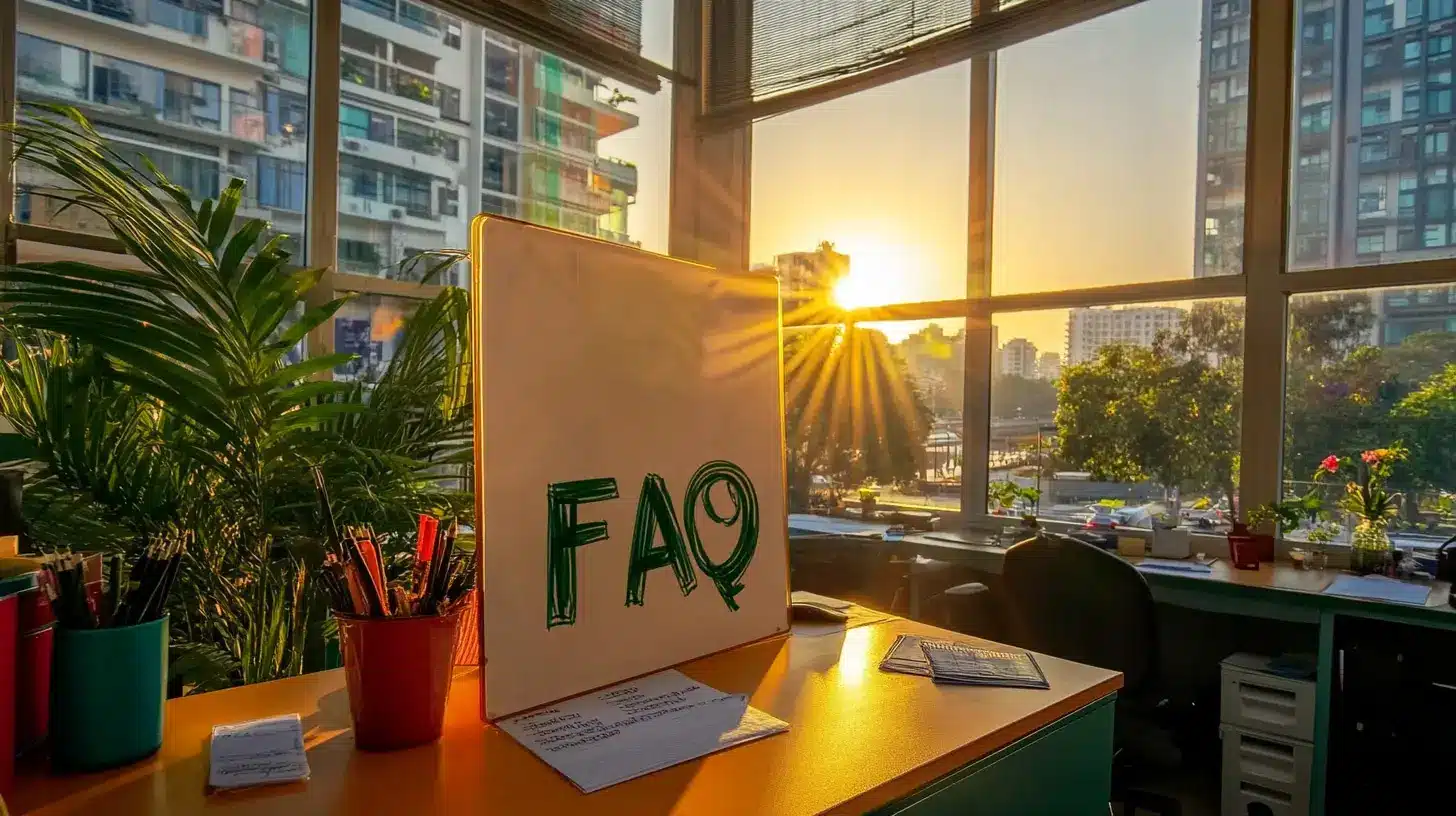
[1254, 700]
[1264, 774]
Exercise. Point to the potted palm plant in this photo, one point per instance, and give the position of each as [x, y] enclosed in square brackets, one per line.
[176, 396]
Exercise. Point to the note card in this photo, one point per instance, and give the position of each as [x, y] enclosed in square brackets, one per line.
[260, 752]
[638, 727]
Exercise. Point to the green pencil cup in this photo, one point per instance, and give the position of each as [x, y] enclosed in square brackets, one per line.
[108, 688]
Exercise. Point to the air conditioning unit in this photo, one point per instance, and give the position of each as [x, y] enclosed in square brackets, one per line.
[397, 214]
[351, 144]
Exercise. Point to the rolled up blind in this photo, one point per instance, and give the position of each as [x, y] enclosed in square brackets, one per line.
[767, 57]
[603, 35]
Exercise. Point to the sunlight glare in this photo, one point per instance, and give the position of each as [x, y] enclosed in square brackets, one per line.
[877, 275]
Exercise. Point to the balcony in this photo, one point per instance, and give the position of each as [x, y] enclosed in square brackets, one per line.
[622, 175]
[424, 156]
[392, 85]
[417, 27]
[200, 28]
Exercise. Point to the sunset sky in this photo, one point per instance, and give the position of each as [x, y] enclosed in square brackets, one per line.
[1096, 161]
[1096, 137]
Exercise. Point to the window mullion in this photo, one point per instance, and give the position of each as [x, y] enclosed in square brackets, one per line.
[1266, 208]
[321, 234]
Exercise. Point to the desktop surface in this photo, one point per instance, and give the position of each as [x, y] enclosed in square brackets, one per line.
[859, 739]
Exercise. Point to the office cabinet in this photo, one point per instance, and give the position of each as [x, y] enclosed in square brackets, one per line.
[1393, 706]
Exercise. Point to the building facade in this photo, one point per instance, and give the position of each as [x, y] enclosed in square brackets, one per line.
[1372, 154]
[439, 119]
[1089, 329]
[1018, 358]
[807, 277]
[1049, 366]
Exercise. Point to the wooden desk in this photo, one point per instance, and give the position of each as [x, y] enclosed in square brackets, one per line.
[859, 740]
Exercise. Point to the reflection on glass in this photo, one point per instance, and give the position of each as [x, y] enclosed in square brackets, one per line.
[1371, 370]
[1372, 88]
[407, 139]
[134, 69]
[372, 327]
[1117, 416]
[873, 417]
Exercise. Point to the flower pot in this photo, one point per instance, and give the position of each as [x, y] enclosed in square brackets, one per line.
[1370, 548]
[398, 673]
[108, 689]
[1243, 552]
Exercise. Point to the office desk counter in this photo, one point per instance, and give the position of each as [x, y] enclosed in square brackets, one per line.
[859, 740]
[1275, 591]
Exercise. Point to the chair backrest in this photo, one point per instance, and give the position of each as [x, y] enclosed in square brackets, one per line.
[1070, 599]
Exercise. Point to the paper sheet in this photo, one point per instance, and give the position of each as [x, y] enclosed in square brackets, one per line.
[638, 727]
[1379, 588]
[259, 752]
[802, 596]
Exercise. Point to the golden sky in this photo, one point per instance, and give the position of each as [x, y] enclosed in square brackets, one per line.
[1096, 161]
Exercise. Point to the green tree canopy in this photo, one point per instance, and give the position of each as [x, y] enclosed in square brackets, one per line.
[851, 410]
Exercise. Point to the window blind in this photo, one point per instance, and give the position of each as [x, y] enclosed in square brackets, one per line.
[771, 56]
[603, 35]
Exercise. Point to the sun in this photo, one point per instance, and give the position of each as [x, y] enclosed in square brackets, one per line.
[877, 276]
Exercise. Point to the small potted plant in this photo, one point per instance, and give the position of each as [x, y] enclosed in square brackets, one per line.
[1368, 499]
[867, 501]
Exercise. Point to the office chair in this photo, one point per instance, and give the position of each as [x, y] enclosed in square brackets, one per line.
[1072, 600]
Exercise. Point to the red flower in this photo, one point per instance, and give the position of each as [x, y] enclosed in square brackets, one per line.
[1330, 464]
[1370, 457]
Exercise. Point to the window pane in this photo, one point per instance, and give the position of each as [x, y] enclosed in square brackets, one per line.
[1117, 414]
[206, 95]
[874, 406]
[856, 171]
[1120, 149]
[1371, 370]
[1401, 120]
[425, 96]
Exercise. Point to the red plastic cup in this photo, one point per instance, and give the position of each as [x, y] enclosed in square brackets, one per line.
[9, 635]
[398, 673]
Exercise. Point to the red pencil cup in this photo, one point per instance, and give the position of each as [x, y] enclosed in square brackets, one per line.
[398, 672]
[1244, 551]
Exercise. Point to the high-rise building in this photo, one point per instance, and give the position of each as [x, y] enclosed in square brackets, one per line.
[1018, 358]
[1049, 366]
[1223, 140]
[810, 276]
[1372, 154]
[1089, 329]
[439, 119]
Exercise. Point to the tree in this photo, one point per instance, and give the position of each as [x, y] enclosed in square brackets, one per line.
[1013, 396]
[1424, 419]
[1135, 414]
[851, 412]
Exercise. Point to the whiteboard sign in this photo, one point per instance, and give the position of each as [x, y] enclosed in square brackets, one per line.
[629, 462]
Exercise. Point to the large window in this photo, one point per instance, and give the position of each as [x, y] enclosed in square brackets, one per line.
[1110, 166]
[240, 111]
[1373, 370]
[854, 173]
[874, 410]
[1405, 104]
[1118, 415]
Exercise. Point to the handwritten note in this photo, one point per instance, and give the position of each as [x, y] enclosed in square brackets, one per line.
[260, 752]
[633, 729]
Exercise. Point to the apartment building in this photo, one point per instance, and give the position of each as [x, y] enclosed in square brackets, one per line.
[1089, 329]
[439, 119]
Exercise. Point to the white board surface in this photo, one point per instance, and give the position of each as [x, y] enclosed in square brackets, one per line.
[597, 362]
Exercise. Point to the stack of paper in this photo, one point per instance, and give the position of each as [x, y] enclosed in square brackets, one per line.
[633, 729]
[906, 657]
[964, 664]
[260, 752]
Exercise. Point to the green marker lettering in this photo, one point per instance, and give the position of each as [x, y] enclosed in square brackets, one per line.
[563, 536]
[745, 514]
[655, 512]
